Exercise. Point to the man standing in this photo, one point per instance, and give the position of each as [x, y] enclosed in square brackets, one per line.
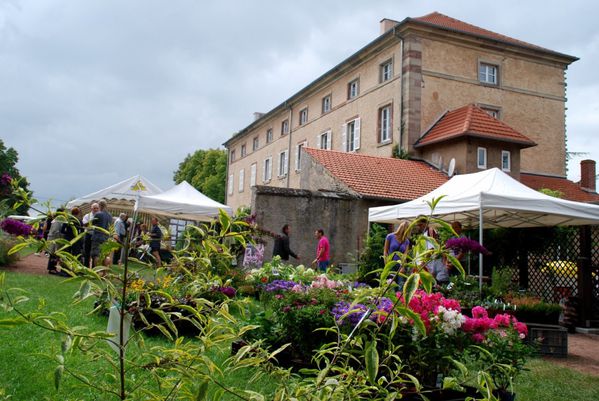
[282, 248]
[87, 221]
[102, 220]
[120, 235]
[322, 251]
[156, 237]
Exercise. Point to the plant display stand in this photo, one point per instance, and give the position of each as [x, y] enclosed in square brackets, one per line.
[551, 339]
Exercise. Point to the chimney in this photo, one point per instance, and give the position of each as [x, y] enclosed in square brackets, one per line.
[387, 24]
[588, 175]
[257, 115]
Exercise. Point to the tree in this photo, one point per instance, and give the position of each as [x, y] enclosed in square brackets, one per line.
[9, 172]
[205, 170]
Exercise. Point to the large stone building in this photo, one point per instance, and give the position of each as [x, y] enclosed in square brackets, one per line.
[417, 79]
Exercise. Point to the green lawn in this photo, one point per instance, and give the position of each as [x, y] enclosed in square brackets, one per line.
[26, 374]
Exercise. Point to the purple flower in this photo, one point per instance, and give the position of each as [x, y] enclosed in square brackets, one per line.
[465, 244]
[16, 227]
[228, 291]
[357, 284]
[279, 285]
[5, 179]
[341, 315]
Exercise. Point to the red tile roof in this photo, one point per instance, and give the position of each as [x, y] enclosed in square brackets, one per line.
[380, 177]
[471, 120]
[571, 190]
[452, 24]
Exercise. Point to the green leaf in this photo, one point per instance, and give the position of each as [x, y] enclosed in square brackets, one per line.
[427, 281]
[410, 287]
[456, 263]
[202, 393]
[387, 270]
[58, 375]
[8, 323]
[371, 356]
[417, 320]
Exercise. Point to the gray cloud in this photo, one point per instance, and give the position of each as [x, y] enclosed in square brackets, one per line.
[94, 92]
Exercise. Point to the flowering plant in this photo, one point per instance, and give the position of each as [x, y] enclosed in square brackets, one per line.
[16, 227]
[464, 244]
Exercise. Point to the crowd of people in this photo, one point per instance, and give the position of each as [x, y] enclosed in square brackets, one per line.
[396, 244]
[93, 230]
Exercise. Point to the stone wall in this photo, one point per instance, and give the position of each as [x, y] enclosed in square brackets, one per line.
[344, 219]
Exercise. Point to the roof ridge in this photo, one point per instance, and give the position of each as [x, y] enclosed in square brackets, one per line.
[358, 154]
[468, 119]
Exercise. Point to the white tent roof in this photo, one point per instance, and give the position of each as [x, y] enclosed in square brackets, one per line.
[127, 190]
[504, 201]
[182, 201]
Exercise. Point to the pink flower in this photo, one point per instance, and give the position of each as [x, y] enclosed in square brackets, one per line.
[279, 296]
[479, 312]
[479, 338]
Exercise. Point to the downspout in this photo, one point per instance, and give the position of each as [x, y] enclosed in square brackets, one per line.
[290, 118]
[401, 89]
[227, 175]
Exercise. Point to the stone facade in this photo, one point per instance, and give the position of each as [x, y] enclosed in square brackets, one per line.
[343, 217]
[432, 71]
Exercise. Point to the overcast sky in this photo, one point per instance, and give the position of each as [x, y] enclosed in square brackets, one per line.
[93, 92]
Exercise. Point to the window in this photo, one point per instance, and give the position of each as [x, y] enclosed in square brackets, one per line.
[386, 71]
[283, 163]
[230, 189]
[481, 159]
[353, 89]
[242, 150]
[232, 156]
[241, 179]
[506, 160]
[285, 127]
[298, 158]
[351, 136]
[255, 144]
[385, 124]
[269, 135]
[267, 170]
[326, 104]
[253, 169]
[492, 111]
[303, 116]
[487, 73]
[324, 140]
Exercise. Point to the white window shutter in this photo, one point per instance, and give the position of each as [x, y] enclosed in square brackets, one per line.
[269, 176]
[318, 141]
[241, 180]
[329, 138]
[344, 136]
[286, 166]
[230, 184]
[356, 134]
[253, 175]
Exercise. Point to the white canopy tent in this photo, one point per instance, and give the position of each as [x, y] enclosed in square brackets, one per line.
[127, 190]
[183, 202]
[490, 199]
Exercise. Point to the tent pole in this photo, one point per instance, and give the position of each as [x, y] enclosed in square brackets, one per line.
[480, 240]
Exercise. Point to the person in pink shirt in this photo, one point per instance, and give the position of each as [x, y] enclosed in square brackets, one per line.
[322, 251]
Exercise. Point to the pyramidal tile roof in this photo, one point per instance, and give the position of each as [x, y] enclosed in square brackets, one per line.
[570, 190]
[443, 21]
[471, 120]
[380, 177]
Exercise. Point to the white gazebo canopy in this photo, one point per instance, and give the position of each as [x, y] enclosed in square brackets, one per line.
[491, 198]
[127, 190]
[183, 202]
